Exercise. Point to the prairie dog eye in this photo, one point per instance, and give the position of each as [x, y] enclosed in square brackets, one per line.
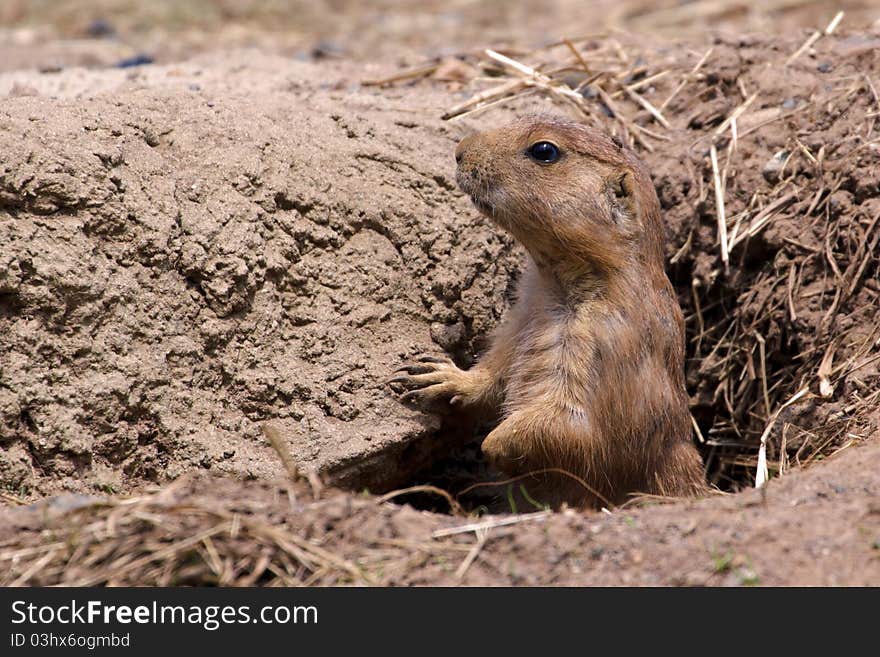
[544, 152]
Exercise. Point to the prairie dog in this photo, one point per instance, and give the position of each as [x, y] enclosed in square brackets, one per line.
[586, 372]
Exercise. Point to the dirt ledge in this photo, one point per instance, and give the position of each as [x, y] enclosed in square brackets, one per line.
[814, 527]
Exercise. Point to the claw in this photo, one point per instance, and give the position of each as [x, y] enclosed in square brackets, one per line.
[429, 396]
[415, 368]
[406, 382]
[420, 380]
[435, 359]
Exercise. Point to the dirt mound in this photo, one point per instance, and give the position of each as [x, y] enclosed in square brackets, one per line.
[181, 263]
[817, 527]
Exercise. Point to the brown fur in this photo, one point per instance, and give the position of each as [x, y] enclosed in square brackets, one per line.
[587, 369]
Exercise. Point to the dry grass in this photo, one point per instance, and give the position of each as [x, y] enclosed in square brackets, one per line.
[180, 536]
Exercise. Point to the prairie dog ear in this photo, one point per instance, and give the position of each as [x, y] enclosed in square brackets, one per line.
[622, 185]
[622, 194]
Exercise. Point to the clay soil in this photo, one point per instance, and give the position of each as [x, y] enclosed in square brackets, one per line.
[235, 245]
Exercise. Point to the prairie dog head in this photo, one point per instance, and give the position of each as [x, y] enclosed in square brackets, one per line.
[563, 190]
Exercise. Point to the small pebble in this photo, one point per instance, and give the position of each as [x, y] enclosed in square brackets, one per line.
[589, 92]
[137, 60]
[327, 49]
[773, 167]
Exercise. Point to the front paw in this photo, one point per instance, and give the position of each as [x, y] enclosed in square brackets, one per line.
[432, 383]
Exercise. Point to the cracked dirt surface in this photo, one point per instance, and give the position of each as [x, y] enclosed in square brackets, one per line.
[182, 262]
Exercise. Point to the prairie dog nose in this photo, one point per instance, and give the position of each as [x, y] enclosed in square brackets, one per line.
[462, 147]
